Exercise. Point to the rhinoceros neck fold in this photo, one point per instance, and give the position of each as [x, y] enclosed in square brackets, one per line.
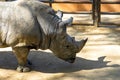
[49, 31]
[49, 26]
[45, 42]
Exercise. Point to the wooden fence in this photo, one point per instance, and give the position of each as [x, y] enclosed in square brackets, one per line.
[95, 11]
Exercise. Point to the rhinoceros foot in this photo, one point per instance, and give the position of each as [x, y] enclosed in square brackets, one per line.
[23, 69]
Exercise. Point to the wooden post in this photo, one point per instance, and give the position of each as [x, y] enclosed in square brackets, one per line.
[50, 3]
[93, 11]
[97, 12]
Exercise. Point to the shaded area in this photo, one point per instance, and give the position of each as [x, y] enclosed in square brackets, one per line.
[51, 64]
[48, 63]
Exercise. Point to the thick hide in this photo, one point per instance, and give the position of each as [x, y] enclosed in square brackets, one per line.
[31, 24]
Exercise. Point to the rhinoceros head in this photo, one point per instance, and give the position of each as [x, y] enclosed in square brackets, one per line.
[64, 46]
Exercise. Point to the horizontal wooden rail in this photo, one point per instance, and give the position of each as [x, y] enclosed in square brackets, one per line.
[81, 12]
[85, 2]
[81, 2]
[110, 1]
[111, 13]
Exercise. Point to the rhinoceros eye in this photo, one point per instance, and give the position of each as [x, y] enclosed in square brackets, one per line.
[67, 46]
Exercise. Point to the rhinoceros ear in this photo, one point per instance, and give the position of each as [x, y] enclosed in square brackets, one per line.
[59, 14]
[64, 24]
[68, 22]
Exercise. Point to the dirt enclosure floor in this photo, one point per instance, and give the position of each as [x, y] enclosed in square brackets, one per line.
[99, 59]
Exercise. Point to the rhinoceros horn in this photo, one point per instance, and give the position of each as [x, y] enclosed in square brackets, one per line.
[59, 14]
[81, 43]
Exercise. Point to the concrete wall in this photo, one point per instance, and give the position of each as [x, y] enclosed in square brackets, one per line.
[70, 7]
[85, 7]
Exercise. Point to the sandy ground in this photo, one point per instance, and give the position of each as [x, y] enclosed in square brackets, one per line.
[99, 59]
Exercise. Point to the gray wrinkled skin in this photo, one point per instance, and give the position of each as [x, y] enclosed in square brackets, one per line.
[30, 24]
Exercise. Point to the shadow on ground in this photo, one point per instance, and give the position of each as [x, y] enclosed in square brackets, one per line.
[48, 63]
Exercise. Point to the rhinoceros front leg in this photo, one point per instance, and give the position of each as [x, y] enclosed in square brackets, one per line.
[21, 55]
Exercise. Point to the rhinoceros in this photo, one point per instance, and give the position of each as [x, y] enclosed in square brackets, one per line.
[31, 24]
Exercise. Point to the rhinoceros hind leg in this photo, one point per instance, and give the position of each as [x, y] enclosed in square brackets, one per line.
[21, 55]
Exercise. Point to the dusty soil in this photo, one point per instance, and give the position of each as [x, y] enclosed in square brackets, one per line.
[99, 59]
